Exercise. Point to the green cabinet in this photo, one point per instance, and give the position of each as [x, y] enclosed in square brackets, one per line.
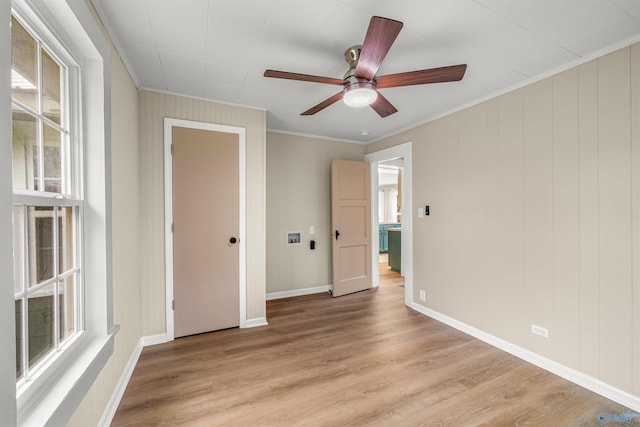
[395, 248]
[383, 238]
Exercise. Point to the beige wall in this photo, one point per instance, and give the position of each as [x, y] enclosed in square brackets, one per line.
[126, 238]
[299, 196]
[535, 216]
[154, 107]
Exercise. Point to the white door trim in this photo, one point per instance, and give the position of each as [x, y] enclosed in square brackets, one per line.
[399, 151]
[168, 213]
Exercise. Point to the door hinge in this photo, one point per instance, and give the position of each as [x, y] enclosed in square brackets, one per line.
[172, 227]
[172, 149]
[173, 304]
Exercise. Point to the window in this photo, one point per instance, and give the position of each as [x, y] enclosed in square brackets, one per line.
[47, 203]
[55, 177]
[388, 209]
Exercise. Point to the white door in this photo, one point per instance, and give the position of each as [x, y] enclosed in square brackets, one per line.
[351, 221]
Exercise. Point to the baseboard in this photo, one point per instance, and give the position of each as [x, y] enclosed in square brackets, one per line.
[298, 292]
[570, 374]
[118, 392]
[153, 339]
[258, 321]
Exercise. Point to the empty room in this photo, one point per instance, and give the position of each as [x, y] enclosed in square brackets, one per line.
[320, 213]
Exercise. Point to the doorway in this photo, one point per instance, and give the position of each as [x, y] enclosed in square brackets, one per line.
[389, 217]
[394, 155]
[204, 226]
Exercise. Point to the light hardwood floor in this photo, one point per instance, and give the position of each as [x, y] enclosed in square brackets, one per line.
[361, 359]
[388, 277]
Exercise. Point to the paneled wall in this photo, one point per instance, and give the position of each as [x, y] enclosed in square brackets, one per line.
[299, 196]
[154, 107]
[535, 216]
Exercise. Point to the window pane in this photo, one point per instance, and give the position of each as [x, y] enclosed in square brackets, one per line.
[66, 259]
[40, 244]
[50, 88]
[25, 149]
[24, 66]
[67, 304]
[41, 323]
[19, 367]
[18, 249]
[52, 160]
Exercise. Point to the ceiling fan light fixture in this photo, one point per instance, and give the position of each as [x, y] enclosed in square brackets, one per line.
[359, 94]
[360, 82]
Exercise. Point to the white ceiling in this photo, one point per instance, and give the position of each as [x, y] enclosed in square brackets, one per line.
[219, 50]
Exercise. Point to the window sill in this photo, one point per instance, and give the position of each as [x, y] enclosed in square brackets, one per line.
[57, 396]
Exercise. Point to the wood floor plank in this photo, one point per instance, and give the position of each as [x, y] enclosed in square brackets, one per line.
[361, 359]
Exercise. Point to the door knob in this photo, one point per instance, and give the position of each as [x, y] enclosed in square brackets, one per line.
[233, 240]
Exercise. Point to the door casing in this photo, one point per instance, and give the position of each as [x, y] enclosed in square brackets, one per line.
[169, 123]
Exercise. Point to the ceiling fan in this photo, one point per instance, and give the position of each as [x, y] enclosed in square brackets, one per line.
[360, 83]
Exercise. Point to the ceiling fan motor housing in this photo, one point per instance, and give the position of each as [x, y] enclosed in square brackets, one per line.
[354, 82]
[352, 55]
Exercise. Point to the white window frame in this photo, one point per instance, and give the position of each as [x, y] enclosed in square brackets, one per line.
[52, 397]
[70, 195]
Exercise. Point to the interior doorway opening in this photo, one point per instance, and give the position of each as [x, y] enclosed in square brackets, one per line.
[399, 157]
[389, 220]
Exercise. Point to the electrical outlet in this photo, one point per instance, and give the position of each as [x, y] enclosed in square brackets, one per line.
[423, 295]
[539, 330]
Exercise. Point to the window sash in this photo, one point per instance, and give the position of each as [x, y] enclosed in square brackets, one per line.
[70, 168]
[53, 286]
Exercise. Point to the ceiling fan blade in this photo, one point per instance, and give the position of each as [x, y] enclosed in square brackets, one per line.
[383, 107]
[380, 36]
[433, 75]
[324, 104]
[302, 77]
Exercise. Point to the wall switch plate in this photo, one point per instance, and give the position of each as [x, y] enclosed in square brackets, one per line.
[426, 210]
[420, 213]
[423, 295]
[539, 330]
[312, 229]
